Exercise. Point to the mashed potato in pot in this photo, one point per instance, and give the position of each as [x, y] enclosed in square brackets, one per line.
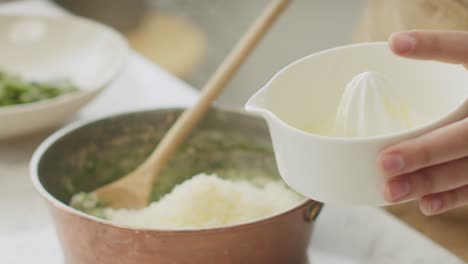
[203, 201]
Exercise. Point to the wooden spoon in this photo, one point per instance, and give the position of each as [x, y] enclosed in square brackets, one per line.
[134, 189]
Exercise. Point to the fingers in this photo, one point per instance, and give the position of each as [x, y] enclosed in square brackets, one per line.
[442, 145]
[442, 202]
[440, 178]
[435, 165]
[447, 46]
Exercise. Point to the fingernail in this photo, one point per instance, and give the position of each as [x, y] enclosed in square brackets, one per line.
[392, 163]
[403, 43]
[398, 189]
[435, 204]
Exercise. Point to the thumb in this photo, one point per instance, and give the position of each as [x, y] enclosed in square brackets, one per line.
[446, 46]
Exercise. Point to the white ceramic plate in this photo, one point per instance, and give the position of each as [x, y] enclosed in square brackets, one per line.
[41, 48]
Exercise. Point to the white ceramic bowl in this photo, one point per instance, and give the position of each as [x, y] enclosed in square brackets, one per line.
[306, 94]
[41, 48]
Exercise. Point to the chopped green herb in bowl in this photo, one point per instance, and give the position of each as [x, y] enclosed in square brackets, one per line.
[15, 90]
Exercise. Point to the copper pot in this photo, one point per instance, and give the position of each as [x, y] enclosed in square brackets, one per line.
[84, 156]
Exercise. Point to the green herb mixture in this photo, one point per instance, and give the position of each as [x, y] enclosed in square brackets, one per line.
[14, 90]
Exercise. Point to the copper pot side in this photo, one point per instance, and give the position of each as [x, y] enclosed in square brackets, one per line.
[281, 239]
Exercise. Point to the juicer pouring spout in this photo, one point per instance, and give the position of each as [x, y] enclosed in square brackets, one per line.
[258, 103]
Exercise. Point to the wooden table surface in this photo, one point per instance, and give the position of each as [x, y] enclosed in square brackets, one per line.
[449, 229]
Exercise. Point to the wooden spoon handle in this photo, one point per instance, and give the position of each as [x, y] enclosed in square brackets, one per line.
[215, 85]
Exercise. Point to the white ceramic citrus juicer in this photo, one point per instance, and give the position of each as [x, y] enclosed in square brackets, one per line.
[337, 165]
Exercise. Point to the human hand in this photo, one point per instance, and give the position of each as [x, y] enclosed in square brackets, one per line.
[432, 168]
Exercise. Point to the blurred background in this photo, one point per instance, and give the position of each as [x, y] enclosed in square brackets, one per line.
[189, 38]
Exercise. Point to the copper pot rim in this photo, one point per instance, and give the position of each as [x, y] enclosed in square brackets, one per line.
[46, 144]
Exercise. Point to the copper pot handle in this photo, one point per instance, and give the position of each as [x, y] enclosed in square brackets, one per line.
[312, 211]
